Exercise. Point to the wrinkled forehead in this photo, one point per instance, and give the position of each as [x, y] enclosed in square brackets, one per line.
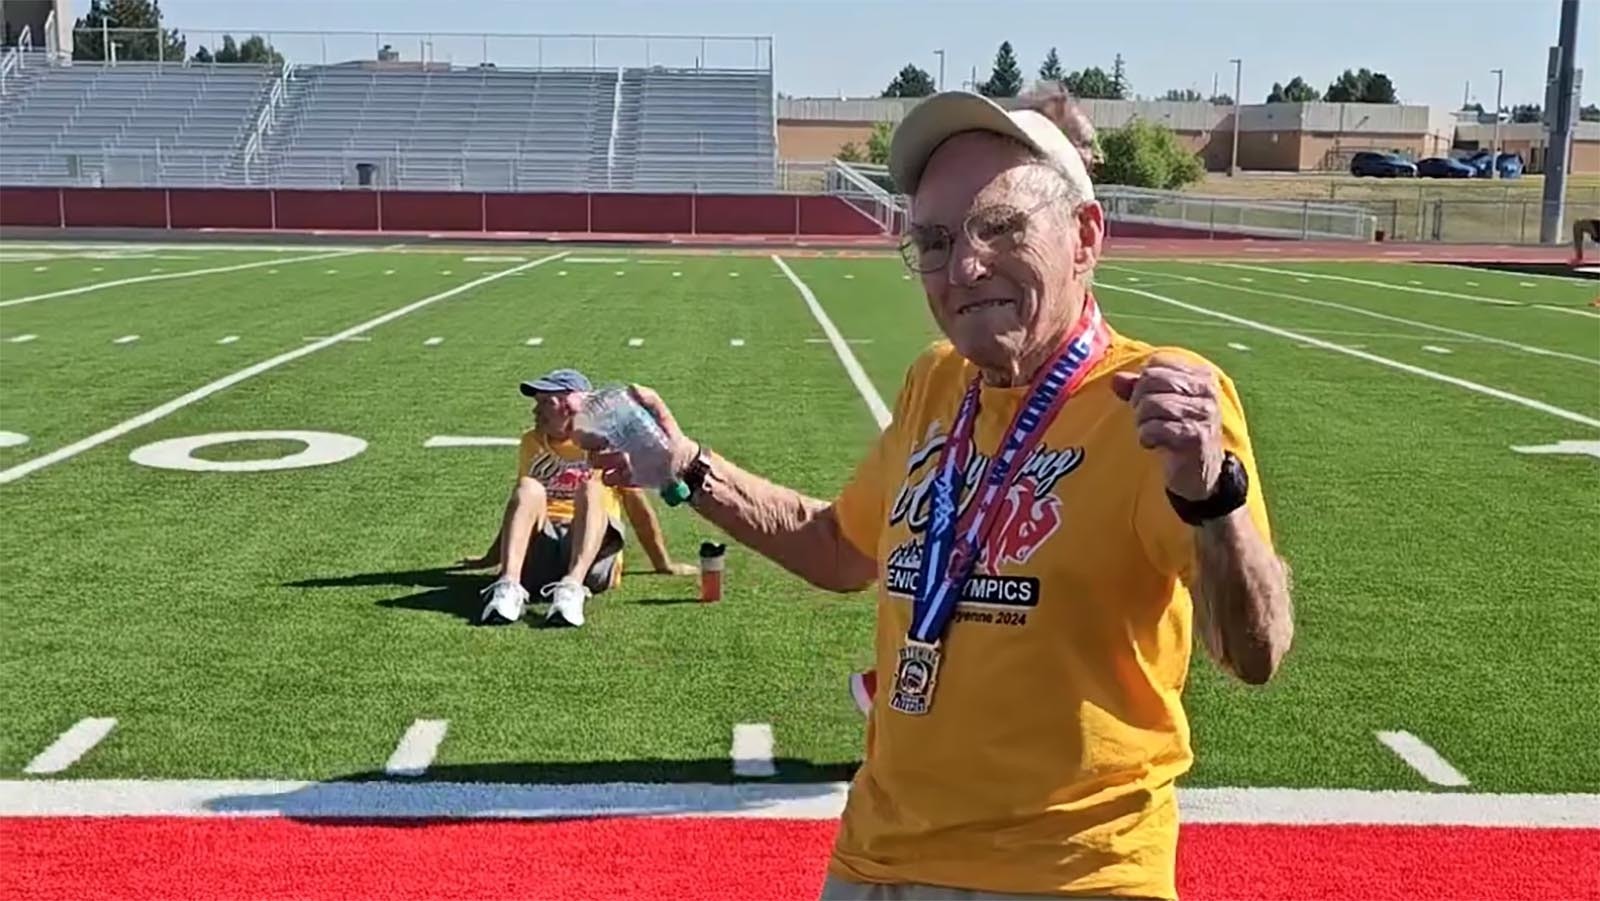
[972, 169]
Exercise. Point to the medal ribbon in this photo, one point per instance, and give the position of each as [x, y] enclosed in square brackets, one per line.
[953, 544]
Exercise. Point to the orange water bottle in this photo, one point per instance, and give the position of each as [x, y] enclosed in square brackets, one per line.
[713, 560]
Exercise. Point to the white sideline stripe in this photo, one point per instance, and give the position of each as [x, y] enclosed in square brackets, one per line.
[227, 339]
[1584, 313]
[140, 279]
[635, 342]
[335, 338]
[433, 342]
[22, 339]
[71, 745]
[829, 341]
[1528, 402]
[852, 366]
[205, 391]
[1436, 349]
[126, 339]
[470, 441]
[417, 748]
[535, 342]
[761, 800]
[1362, 311]
[752, 750]
[1372, 284]
[581, 260]
[1420, 756]
[1237, 346]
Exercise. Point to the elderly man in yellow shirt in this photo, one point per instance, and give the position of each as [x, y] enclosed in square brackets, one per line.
[1056, 509]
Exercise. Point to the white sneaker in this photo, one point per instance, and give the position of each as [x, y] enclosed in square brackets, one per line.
[507, 600]
[566, 603]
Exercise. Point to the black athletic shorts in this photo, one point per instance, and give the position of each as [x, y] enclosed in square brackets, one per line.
[552, 548]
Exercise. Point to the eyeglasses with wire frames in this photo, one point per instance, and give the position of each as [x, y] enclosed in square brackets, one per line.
[994, 228]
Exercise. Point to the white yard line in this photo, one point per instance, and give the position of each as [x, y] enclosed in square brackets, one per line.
[1570, 310]
[1499, 301]
[1373, 314]
[752, 750]
[71, 745]
[764, 800]
[1518, 399]
[227, 339]
[470, 441]
[249, 372]
[1202, 323]
[735, 342]
[852, 366]
[417, 748]
[1436, 349]
[534, 342]
[1423, 758]
[189, 273]
[1237, 346]
[126, 339]
[21, 339]
[433, 342]
[635, 342]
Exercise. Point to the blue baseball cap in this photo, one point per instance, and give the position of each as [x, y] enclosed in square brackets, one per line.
[556, 382]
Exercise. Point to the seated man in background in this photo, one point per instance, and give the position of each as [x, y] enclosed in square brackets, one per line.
[561, 534]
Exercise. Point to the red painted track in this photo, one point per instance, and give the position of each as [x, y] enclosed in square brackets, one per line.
[144, 858]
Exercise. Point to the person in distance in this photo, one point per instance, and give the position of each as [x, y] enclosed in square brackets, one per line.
[561, 534]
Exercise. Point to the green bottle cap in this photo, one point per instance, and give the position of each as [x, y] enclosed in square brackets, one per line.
[675, 494]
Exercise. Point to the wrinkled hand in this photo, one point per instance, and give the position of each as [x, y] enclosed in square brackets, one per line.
[1176, 411]
[476, 562]
[679, 569]
[615, 468]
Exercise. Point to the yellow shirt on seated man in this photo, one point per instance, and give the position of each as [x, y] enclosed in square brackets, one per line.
[561, 534]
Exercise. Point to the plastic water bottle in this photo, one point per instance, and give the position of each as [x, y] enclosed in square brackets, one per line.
[713, 561]
[612, 414]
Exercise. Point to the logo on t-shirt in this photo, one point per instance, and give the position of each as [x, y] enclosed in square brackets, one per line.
[1026, 516]
[561, 478]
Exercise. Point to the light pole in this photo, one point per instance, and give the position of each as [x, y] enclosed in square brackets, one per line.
[940, 54]
[1499, 86]
[1238, 83]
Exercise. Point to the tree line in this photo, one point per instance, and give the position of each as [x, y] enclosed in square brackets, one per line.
[151, 41]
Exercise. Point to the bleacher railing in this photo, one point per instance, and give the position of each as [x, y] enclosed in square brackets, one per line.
[1304, 220]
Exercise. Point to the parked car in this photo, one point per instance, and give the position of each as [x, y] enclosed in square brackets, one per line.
[1444, 167]
[1382, 165]
[1509, 164]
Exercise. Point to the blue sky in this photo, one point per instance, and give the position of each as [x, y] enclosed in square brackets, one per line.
[1431, 49]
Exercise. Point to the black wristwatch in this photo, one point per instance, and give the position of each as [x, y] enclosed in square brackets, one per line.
[1233, 487]
[692, 480]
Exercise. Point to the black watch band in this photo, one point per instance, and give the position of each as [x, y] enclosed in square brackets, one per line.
[694, 475]
[1233, 487]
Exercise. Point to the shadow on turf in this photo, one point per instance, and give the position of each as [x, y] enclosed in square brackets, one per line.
[452, 591]
[587, 790]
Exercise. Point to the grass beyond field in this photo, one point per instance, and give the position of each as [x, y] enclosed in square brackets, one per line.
[294, 623]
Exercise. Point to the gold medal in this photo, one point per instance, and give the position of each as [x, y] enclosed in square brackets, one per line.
[914, 678]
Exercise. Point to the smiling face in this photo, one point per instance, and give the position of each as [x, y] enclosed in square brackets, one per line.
[1019, 258]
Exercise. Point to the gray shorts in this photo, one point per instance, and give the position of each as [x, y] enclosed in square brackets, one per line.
[552, 548]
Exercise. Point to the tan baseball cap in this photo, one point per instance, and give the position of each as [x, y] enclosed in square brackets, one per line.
[943, 116]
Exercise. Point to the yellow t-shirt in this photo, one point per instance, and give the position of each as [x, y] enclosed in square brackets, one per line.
[1047, 761]
[562, 468]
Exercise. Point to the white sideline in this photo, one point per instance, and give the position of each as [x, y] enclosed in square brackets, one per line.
[765, 800]
[416, 750]
[1362, 311]
[1421, 756]
[752, 750]
[188, 273]
[205, 391]
[1570, 310]
[1498, 301]
[1528, 402]
[71, 745]
[852, 366]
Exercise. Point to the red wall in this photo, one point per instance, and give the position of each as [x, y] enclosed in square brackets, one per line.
[441, 211]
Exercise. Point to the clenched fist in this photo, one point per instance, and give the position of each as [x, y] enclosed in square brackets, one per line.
[1176, 411]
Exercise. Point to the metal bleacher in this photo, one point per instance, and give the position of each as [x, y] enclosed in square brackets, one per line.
[388, 124]
[448, 129]
[127, 124]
